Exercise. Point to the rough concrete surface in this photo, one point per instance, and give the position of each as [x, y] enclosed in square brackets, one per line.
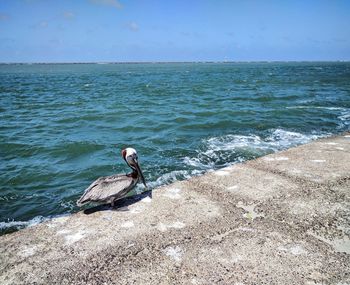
[280, 219]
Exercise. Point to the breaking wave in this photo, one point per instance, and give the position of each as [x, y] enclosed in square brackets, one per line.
[11, 226]
[225, 150]
[344, 118]
[168, 178]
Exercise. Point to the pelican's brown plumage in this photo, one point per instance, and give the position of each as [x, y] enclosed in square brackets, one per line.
[111, 188]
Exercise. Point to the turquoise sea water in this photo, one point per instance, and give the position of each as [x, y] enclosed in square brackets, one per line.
[62, 126]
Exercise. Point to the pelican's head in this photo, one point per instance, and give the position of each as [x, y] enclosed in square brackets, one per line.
[130, 156]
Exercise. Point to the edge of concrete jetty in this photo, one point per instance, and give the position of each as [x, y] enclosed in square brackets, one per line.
[280, 219]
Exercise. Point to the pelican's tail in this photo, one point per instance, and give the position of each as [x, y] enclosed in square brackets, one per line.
[80, 202]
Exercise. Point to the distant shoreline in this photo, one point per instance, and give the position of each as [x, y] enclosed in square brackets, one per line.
[176, 62]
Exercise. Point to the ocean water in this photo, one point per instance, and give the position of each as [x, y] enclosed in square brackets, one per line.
[64, 125]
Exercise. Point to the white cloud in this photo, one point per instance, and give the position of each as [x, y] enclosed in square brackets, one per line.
[40, 25]
[68, 15]
[132, 26]
[112, 3]
[43, 24]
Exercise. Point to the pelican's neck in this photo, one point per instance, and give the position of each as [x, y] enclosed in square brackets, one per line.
[133, 174]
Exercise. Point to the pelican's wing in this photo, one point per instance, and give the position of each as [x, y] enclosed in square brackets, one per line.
[107, 188]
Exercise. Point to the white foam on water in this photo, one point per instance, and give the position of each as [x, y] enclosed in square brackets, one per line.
[17, 225]
[281, 139]
[196, 162]
[317, 107]
[173, 176]
[22, 224]
[69, 205]
[227, 150]
[344, 118]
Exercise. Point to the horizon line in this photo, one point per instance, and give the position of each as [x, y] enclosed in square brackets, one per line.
[160, 62]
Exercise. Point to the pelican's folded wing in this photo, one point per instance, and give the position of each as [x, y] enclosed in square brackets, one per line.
[106, 188]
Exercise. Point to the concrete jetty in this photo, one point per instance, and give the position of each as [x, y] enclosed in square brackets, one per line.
[281, 219]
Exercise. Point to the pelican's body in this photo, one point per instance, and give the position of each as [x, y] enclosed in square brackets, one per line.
[111, 188]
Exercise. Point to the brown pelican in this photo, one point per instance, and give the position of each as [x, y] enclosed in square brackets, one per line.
[111, 188]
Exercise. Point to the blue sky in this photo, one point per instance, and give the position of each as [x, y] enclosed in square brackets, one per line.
[164, 30]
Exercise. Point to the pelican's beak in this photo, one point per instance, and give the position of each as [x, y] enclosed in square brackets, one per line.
[140, 172]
